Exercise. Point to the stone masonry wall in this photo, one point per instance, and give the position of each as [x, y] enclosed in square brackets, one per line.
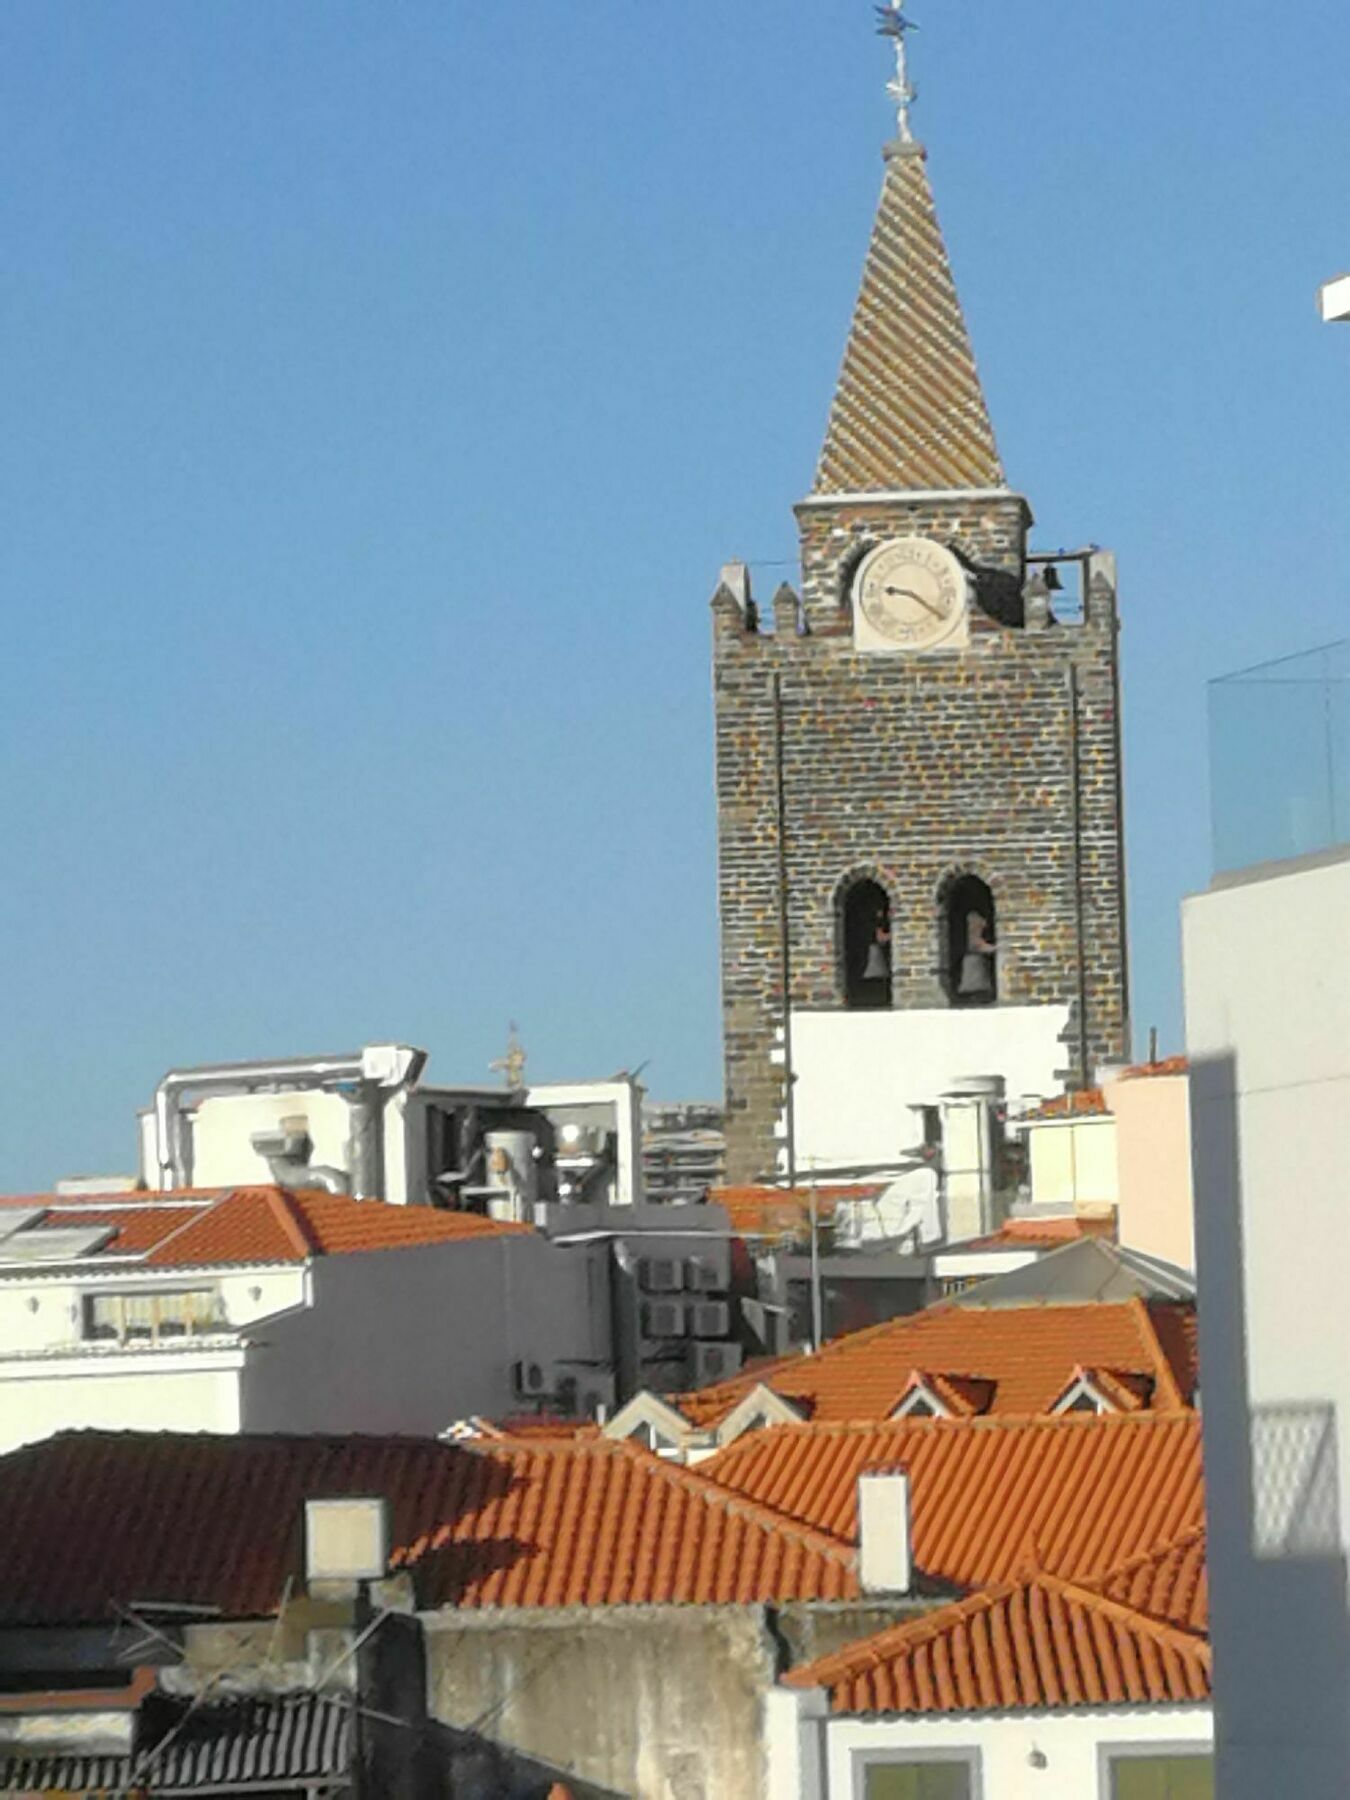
[909, 769]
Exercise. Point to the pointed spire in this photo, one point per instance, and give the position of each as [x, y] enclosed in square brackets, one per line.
[909, 412]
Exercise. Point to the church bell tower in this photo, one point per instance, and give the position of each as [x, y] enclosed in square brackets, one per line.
[921, 873]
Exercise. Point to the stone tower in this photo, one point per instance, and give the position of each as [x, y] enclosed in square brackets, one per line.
[918, 761]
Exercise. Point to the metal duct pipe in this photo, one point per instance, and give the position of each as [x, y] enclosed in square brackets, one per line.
[365, 1141]
[286, 1153]
[378, 1068]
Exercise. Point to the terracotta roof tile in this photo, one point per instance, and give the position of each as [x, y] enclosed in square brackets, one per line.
[1169, 1065]
[1029, 1353]
[232, 1226]
[1037, 1643]
[1076, 1494]
[908, 410]
[92, 1520]
[760, 1211]
[1170, 1583]
[1083, 1103]
[1044, 1234]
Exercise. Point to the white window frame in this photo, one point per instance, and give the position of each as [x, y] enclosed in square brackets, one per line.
[1136, 1750]
[908, 1755]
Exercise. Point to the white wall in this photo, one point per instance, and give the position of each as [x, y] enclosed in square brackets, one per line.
[177, 1390]
[223, 1126]
[1268, 1031]
[1072, 1162]
[412, 1340]
[53, 1379]
[858, 1072]
[1009, 1747]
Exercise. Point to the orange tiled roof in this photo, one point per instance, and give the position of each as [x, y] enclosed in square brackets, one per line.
[1074, 1494]
[1170, 1583]
[1169, 1065]
[96, 1520]
[761, 1211]
[247, 1225]
[1084, 1103]
[1037, 1643]
[1029, 1354]
[1044, 1234]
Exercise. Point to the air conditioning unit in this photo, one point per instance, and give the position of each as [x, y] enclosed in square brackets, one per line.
[660, 1275]
[702, 1276]
[531, 1380]
[709, 1319]
[663, 1318]
[709, 1363]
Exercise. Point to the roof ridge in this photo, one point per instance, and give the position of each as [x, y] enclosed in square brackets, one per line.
[1163, 1374]
[880, 1647]
[1184, 1539]
[979, 1422]
[1163, 1630]
[293, 1221]
[712, 1493]
[188, 1226]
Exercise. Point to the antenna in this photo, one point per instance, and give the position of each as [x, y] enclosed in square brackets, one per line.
[892, 23]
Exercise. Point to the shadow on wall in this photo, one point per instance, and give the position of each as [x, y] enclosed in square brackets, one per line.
[1277, 1570]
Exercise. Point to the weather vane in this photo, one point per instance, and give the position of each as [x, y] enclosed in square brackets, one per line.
[892, 23]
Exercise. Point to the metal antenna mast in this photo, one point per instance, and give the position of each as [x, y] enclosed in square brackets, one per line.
[892, 23]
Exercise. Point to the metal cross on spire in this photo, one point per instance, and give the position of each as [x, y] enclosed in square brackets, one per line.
[892, 23]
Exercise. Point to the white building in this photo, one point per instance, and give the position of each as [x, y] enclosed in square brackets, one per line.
[1268, 1026]
[262, 1309]
[366, 1123]
[1031, 1687]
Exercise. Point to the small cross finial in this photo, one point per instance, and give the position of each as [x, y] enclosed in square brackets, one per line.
[892, 23]
[511, 1066]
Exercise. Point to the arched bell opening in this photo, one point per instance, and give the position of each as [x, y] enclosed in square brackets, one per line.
[969, 927]
[865, 942]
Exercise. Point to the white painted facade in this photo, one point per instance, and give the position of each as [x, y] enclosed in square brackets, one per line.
[859, 1075]
[378, 1341]
[813, 1755]
[1268, 1032]
[1072, 1161]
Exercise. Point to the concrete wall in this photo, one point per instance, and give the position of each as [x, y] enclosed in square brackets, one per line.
[859, 1072]
[1072, 1162]
[412, 1340]
[655, 1703]
[1153, 1158]
[1268, 1031]
[1018, 1756]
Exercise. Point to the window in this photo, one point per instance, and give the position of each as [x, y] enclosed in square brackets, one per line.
[1173, 1775]
[152, 1318]
[969, 944]
[865, 944]
[946, 1778]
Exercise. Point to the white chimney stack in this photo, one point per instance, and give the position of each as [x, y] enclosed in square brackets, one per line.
[885, 1563]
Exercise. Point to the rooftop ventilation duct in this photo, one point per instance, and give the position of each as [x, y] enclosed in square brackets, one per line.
[367, 1079]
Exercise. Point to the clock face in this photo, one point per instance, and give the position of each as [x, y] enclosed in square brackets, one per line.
[912, 591]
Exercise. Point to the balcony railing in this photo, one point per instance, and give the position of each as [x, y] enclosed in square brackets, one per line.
[1279, 758]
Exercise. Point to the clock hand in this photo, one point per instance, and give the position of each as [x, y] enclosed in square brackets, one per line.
[910, 594]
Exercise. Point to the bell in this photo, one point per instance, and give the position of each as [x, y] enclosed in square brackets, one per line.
[1053, 584]
[878, 966]
[976, 976]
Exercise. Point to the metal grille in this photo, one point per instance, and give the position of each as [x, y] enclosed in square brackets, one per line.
[1295, 1492]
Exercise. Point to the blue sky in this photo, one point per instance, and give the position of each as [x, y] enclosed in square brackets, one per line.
[384, 383]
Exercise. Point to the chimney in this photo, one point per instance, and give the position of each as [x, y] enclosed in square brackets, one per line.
[885, 1565]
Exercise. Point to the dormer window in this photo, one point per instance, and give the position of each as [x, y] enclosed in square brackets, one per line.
[921, 1403]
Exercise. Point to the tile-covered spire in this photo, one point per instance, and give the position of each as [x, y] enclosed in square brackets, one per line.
[909, 412]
